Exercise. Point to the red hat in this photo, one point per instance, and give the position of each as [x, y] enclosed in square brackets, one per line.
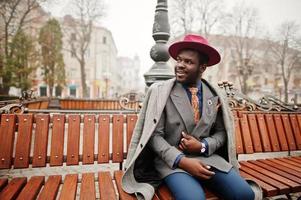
[197, 43]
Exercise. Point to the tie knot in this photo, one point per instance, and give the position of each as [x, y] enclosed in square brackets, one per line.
[193, 90]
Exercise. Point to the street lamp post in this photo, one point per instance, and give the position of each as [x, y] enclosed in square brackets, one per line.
[159, 53]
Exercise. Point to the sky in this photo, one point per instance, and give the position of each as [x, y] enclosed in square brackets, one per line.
[131, 21]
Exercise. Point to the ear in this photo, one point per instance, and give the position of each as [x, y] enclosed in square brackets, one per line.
[202, 68]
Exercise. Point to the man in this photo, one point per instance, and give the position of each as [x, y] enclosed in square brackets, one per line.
[184, 135]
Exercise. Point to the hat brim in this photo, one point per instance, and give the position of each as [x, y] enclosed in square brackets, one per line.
[212, 54]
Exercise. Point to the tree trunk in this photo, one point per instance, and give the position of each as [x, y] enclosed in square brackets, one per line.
[285, 90]
[83, 79]
[50, 90]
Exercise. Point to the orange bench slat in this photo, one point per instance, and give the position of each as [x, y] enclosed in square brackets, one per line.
[41, 141]
[117, 139]
[57, 140]
[32, 188]
[88, 139]
[51, 188]
[73, 139]
[87, 190]
[23, 141]
[103, 138]
[106, 187]
[12, 190]
[272, 132]
[7, 137]
[69, 187]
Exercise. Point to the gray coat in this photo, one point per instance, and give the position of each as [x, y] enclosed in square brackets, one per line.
[140, 177]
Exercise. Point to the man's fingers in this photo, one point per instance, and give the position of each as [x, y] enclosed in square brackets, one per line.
[181, 147]
[186, 136]
[183, 143]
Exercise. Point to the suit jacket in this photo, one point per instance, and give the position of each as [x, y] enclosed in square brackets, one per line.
[139, 160]
[176, 117]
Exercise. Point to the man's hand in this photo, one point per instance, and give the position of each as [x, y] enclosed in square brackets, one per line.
[190, 144]
[195, 168]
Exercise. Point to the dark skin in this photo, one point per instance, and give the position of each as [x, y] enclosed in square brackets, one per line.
[188, 71]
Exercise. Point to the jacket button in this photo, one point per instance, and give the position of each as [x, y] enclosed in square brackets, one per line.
[155, 121]
[141, 145]
[178, 123]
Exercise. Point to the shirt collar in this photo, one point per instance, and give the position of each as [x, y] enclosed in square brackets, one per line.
[199, 85]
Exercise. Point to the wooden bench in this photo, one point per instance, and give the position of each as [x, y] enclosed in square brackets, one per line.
[41, 142]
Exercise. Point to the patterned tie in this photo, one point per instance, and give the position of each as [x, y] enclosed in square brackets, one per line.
[195, 103]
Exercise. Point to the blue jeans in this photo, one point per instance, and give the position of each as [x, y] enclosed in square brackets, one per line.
[227, 185]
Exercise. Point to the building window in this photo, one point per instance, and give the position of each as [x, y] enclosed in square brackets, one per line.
[72, 91]
[104, 40]
[58, 91]
[43, 91]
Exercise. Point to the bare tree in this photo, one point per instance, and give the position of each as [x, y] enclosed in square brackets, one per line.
[200, 16]
[242, 27]
[14, 15]
[287, 52]
[78, 30]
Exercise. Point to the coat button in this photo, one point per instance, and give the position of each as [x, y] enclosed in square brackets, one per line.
[178, 123]
[141, 145]
[155, 121]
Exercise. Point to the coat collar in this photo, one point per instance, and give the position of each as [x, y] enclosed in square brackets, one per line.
[180, 99]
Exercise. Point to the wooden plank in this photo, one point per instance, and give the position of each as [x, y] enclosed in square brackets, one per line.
[293, 185]
[267, 189]
[285, 164]
[23, 141]
[272, 132]
[131, 122]
[299, 120]
[296, 130]
[57, 140]
[88, 139]
[122, 194]
[87, 189]
[51, 188]
[288, 132]
[12, 190]
[41, 141]
[295, 160]
[246, 136]
[276, 171]
[263, 131]
[7, 136]
[3, 183]
[73, 140]
[69, 187]
[117, 139]
[164, 193]
[254, 133]
[103, 139]
[282, 188]
[280, 132]
[239, 143]
[32, 188]
[106, 187]
[281, 167]
[292, 162]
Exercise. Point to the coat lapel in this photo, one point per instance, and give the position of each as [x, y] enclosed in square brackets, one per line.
[181, 101]
[208, 111]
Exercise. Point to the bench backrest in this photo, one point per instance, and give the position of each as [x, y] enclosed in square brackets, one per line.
[267, 131]
[57, 139]
[40, 139]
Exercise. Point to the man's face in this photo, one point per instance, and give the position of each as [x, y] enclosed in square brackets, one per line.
[187, 68]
